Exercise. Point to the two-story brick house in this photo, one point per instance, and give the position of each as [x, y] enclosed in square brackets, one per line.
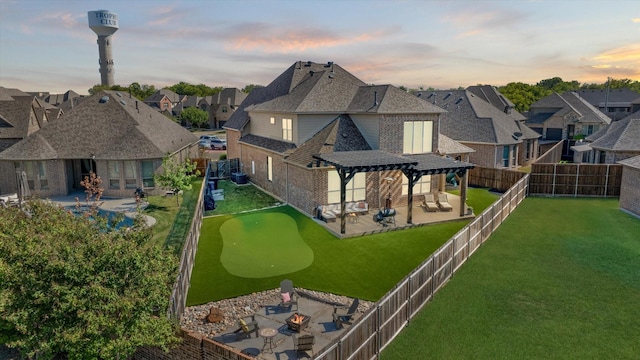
[318, 135]
[221, 106]
[565, 117]
[496, 133]
[119, 138]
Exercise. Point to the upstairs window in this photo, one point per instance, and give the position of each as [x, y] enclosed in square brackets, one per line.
[287, 132]
[418, 137]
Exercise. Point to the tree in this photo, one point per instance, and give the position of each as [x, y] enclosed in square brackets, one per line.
[176, 176]
[73, 286]
[194, 116]
[247, 89]
[523, 95]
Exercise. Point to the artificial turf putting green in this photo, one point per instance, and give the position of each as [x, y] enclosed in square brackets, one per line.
[262, 245]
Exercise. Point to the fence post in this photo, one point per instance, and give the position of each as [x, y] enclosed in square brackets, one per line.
[606, 183]
[553, 186]
[575, 191]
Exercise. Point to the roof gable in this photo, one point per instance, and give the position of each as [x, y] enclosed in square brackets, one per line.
[621, 135]
[108, 126]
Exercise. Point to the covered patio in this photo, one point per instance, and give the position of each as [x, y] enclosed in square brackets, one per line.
[348, 163]
[365, 225]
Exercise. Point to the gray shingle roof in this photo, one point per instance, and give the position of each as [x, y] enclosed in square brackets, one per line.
[339, 135]
[491, 95]
[633, 162]
[471, 119]
[267, 143]
[119, 129]
[597, 97]
[569, 102]
[446, 145]
[621, 135]
[307, 87]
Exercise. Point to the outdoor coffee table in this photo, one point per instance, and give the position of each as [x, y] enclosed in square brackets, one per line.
[268, 334]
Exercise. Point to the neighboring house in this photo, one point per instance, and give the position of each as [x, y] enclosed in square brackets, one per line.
[64, 101]
[497, 138]
[565, 116]
[221, 106]
[119, 138]
[164, 100]
[317, 132]
[21, 114]
[615, 103]
[491, 95]
[630, 185]
[618, 141]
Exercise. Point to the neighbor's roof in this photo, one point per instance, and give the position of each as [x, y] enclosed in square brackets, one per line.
[471, 119]
[120, 128]
[621, 135]
[633, 162]
[447, 146]
[491, 95]
[562, 104]
[598, 97]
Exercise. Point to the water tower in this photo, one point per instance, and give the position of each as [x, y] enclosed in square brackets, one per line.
[104, 24]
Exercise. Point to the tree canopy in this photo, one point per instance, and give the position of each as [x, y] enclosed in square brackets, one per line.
[194, 116]
[73, 286]
[141, 92]
[176, 176]
[184, 88]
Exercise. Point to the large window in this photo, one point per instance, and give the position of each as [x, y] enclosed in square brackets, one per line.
[269, 168]
[147, 174]
[287, 132]
[130, 178]
[423, 186]
[355, 190]
[36, 175]
[505, 156]
[114, 174]
[418, 137]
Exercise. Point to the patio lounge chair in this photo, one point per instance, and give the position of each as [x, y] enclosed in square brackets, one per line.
[303, 343]
[344, 314]
[247, 325]
[429, 203]
[443, 202]
[288, 295]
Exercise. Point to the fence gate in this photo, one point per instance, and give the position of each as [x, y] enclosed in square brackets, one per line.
[223, 169]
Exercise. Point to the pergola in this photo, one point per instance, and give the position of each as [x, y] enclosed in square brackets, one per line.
[348, 163]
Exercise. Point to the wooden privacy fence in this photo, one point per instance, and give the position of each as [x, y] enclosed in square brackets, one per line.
[178, 299]
[598, 180]
[375, 330]
[553, 155]
[500, 179]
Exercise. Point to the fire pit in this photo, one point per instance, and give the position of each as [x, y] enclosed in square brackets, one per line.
[298, 322]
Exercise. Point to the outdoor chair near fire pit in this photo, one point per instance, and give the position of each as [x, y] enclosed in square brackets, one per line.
[303, 343]
[288, 295]
[247, 325]
[344, 314]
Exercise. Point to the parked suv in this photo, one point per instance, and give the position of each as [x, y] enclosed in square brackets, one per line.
[208, 137]
[218, 144]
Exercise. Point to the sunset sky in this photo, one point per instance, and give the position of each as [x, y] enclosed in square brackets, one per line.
[47, 45]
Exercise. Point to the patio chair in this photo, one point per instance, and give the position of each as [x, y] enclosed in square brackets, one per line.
[344, 314]
[288, 295]
[303, 343]
[247, 325]
[443, 202]
[429, 203]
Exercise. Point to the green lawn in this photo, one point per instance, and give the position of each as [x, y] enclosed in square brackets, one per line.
[560, 279]
[342, 266]
[239, 198]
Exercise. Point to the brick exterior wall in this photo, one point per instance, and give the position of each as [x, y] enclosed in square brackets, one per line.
[630, 190]
[233, 145]
[484, 156]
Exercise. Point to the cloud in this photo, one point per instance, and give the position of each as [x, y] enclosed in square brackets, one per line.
[474, 21]
[270, 38]
[636, 20]
[621, 54]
